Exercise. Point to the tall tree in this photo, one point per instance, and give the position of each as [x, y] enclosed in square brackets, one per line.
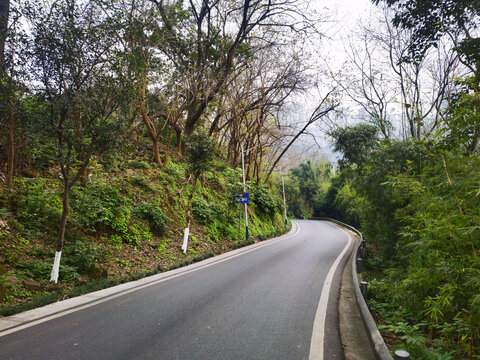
[207, 40]
[4, 12]
[200, 154]
[154, 104]
[399, 96]
[431, 19]
[251, 106]
[72, 52]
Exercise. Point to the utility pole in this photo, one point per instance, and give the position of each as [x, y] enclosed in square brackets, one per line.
[245, 188]
[284, 201]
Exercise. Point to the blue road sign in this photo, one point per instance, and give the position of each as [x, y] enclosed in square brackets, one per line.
[243, 198]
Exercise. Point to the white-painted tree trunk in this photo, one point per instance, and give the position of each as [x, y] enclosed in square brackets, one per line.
[185, 240]
[56, 267]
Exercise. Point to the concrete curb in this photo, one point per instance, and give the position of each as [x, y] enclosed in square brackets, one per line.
[29, 318]
[375, 337]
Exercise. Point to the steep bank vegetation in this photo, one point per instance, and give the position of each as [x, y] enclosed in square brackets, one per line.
[123, 223]
[411, 183]
[417, 206]
[123, 123]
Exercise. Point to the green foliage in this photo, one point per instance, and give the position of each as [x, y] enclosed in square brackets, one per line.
[442, 239]
[219, 230]
[40, 271]
[81, 255]
[348, 203]
[154, 214]
[200, 153]
[232, 181]
[138, 164]
[177, 170]
[97, 205]
[418, 209]
[36, 205]
[13, 247]
[462, 131]
[267, 202]
[131, 234]
[306, 190]
[142, 183]
[428, 21]
[116, 240]
[355, 143]
[205, 212]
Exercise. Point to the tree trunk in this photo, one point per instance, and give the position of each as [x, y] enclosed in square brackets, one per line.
[4, 12]
[188, 215]
[189, 204]
[63, 221]
[61, 232]
[11, 155]
[156, 151]
[84, 176]
[152, 131]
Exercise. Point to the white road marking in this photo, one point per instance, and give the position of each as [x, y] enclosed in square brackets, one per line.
[34, 317]
[318, 333]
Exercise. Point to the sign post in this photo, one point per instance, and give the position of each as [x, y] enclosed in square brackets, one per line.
[284, 201]
[245, 190]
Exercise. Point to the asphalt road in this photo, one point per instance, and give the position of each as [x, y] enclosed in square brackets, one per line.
[258, 302]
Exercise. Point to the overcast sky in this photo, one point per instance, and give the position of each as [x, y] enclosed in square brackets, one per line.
[345, 15]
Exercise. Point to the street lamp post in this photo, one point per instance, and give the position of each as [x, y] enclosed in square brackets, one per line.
[284, 201]
[245, 188]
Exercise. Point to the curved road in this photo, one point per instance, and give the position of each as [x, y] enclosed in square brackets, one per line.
[273, 300]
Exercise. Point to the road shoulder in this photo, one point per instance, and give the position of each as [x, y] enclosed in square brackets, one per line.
[354, 335]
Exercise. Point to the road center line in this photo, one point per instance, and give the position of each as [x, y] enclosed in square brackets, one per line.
[318, 333]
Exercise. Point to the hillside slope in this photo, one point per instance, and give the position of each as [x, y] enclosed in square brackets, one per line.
[125, 222]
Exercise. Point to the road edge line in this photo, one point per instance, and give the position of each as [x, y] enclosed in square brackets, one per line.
[14, 323]
[318, 332]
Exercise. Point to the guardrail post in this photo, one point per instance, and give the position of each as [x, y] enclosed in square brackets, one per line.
[359, 265]
[402, 355]
[362, 249]
[364, 289]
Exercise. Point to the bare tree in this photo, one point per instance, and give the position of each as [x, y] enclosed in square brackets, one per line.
[212, 39]
[424, 85]
[325, 106]
[379, 80]
[371, 87]
[251, 106]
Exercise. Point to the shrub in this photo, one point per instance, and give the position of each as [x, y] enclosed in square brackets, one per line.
[203, 211]
[140, 181]
[40, 270]
[174, 169]
[138, 164]
[266, 201]
[97, 205]
[154, 215]
[81, 255]
[36, 204]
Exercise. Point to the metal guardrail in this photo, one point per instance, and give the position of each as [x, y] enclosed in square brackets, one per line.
[375, 337]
